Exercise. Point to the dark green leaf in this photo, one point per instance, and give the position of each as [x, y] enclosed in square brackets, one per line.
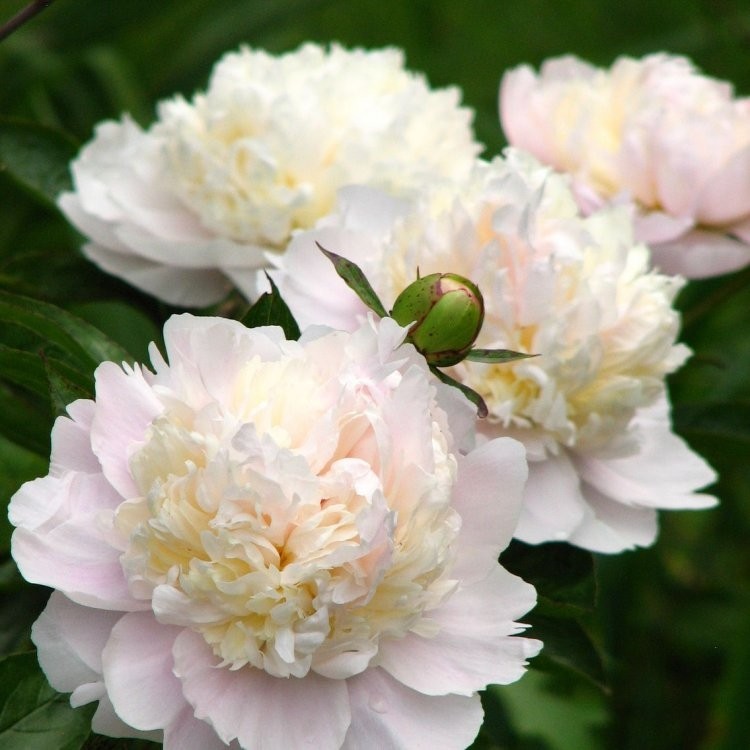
[496, 356]
[24, 422]
[471, 394]
[63, 390]
[564, 717]
[729, 421]
[32, 714]
[20, 604]
[271, 310]
[24, 369]
[82, 341]
[37, 157]
[356, 280]
[567, 644]
[16, 467]
[562, 575]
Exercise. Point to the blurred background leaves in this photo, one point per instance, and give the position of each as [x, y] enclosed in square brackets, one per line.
[663, 660]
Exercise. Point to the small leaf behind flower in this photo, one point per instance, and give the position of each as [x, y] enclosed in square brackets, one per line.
[356, 280]
[32, 714]
[471, 394]
[496, 355]
[271, 310]
[37, 157]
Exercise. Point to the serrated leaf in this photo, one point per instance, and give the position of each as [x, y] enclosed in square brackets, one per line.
[356, 280]
[85, 343]
[271, 310]
[471, 394]
[562, 575]
[496, 356]
[37, 157]
[32, 714]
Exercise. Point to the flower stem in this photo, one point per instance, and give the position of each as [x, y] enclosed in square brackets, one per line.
[31, 10]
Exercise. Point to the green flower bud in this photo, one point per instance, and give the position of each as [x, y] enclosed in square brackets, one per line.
[447, 311]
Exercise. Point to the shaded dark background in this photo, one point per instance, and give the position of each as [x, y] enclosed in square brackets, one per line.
[673, 622]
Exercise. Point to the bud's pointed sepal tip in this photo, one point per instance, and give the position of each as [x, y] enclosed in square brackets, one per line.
[445, 311]
[470, 393]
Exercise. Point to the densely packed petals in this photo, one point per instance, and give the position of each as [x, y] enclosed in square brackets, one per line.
[653, 131]
[591, 408]
[217, 181]
[267, 543]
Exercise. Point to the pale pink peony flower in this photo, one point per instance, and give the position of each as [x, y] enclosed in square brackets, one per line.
[218, 181]
[653, 131]
[592, 408]
[276, 544]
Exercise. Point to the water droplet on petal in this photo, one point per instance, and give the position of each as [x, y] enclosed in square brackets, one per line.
[378, 704]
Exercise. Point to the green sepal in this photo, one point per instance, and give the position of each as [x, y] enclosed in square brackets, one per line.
[496, 356]
[356, 280]
[470, 393]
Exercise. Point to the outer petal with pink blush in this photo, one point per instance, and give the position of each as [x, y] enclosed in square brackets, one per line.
[389, 716]
[652, 130]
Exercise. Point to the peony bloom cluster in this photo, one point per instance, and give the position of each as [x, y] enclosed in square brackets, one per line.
[192, 205]
[592, 408]
[653, 131]
[275, 544]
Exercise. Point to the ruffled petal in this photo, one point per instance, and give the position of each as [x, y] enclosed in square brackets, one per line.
[125, 407]
[475, 645]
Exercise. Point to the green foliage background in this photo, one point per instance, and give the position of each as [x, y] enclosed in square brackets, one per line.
[672, 623]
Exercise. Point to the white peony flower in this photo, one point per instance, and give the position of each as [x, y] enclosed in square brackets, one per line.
[194, 202]
[276, 544]
[592, 407]
[654, 131]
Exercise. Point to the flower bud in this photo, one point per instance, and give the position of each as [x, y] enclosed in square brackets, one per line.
[446, 310]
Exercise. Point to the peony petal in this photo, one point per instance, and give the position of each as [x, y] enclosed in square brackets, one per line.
[613, 527]
[69, 640]
[664, 473]
[700, 254]
[308, 281]
[725, 196]
[388, 716]
[255, 708]
[487, 495]
[177, 286]
[187, 733]
[475, 646]
[553, 504]
[105, 721]
[125, 407]
[137, 666]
